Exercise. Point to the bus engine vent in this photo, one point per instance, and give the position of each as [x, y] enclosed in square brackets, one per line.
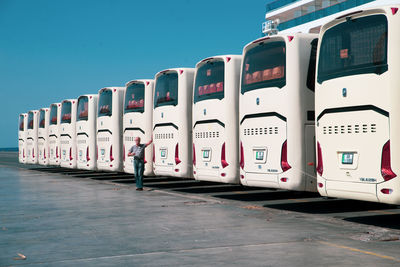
[164, 136]
[343, 129]
[206, 135]
[261, 131]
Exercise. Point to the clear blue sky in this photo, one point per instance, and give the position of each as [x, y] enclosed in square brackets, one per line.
[52, 50]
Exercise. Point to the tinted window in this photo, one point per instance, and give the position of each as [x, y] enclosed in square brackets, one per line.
[105, 103]
[209, 81]
[134, 98]
[83, 108]
[166, 92]
[42, 118]
[30, 120]
[264, 66]
[53, 115]
[66, 112]
[311, 65]
[21, 122]
[353, 47]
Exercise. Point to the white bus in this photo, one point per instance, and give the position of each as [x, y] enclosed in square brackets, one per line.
[86, 120]
[276, 112]
[54, 134]
[68, 133]
[138, 121]
[22, 134]
[172, 122]
[109, 129]
[31, 138]
[215, 119]
[43, 136]
[357, 109]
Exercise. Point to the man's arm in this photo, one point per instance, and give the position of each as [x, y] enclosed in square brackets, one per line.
[130, 153]
[148, 143]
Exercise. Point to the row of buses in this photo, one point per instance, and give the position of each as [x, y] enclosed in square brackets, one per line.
[253, 118]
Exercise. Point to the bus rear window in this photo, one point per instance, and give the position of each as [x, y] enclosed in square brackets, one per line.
[105, 103]
[30, 120]
[42, 118]
[66, 112]
[53, 115]
[21, 122]
[134, 98]
[209, 81]
[166, 92]
[83, 109]
[356, 46]
[264, 66]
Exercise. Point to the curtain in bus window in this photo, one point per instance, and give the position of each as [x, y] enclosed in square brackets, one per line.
[42, 118]
[105, 103]
[264, 66]
[134, 98]
[21, 122]
[83, 108]
[357, 46]
[30, 120]
[209, 82]
[53, 115]
[166, 92]
[66, 112]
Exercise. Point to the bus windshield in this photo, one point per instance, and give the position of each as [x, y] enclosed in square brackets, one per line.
[209, 81]
[83, 108]
[66, 112]
[134, 98]
[105, 103]
[30, 120]
[21, 122]
[42, 118]
[264, 66]
[53, 115]
[356, 46]
[166, 92]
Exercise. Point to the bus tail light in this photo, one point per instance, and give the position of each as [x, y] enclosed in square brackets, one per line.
[154, 154]
[23, 152]
[57, 152]
[320, 185]
[44, 153]
[111, 154]
[123, 156]
[386, 169]
[70, 153]
[223, 157]
[241, 162]
[394, 10]
[386, 191]
[144, 155]
[177, 160]
[284, 163]
[33, 152]
[320, 163]
[194, 155]
[284, 179]
[87, 153]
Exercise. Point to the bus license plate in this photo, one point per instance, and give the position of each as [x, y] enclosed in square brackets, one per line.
[347, 158]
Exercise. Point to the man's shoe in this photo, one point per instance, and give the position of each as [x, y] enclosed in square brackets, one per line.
[139, 189]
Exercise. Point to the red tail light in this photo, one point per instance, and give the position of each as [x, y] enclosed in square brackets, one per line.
[44, 153]
[56, 151]
[386, 191]
[284, 163]
[87, 153]
[223, 157]
[386, 169]
[194, 155]
[144, 155]
[33, 152]
[23, 152]
[241, 163]
[394, 10]
[320, 163]
[123, 156]
[177, 160]
[70, 153]
[154, 154]
[111, 154]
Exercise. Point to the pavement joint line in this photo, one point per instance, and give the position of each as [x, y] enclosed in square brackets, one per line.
[360, 251]
[383, 212]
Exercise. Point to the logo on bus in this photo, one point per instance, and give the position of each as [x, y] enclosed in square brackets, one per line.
[258, 101]
[205, 111]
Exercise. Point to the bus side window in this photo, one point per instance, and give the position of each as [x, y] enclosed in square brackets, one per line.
[311, 65]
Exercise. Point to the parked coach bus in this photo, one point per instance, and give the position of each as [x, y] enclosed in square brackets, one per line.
[67, 133]
[22, 134]
[138, 122]
[32, 135]
[43, 136]
[357, 106]
[215, 119]
[172, 122]
[86, 120]
[54, 134]
[276, 107]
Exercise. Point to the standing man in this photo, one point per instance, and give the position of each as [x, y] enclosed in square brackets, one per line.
[137, 151]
